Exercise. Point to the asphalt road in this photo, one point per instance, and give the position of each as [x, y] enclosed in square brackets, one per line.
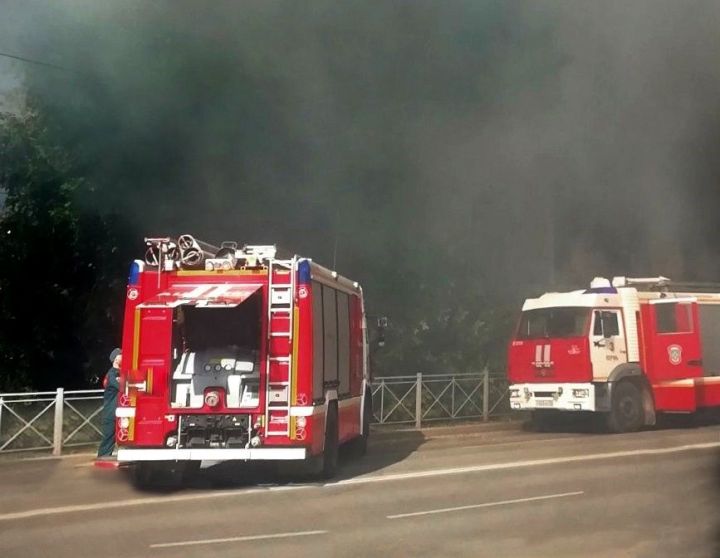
[453, 492]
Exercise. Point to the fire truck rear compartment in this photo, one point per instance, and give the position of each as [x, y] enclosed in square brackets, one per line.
[216, 356]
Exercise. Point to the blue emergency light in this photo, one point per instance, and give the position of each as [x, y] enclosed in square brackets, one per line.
[135, 269]
[304, 275]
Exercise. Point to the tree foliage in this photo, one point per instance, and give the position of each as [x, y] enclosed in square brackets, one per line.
[452, 330]
[60, 278]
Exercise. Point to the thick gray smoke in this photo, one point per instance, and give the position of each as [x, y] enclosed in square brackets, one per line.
[603, 163]
[500, 146]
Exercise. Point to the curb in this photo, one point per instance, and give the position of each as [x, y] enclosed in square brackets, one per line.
[7, 460]
[444, 430]
[380, 433]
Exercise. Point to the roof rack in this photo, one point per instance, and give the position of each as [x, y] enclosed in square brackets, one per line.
[648, 282]
[692, 287]
[187, 252]
[666, 284]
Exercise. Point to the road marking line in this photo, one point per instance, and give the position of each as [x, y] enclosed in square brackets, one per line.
[521, 464]
[240, 539]
[358, 480]
[490, 445]
[142, 502]
[486, 505]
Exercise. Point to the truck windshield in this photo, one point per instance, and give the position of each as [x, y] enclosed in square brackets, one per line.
[553, 322]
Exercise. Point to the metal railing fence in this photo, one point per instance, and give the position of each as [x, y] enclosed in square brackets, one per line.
[49, 420]
[53, 420]
[436, 397]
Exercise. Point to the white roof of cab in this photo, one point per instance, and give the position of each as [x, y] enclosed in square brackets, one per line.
[573, 298]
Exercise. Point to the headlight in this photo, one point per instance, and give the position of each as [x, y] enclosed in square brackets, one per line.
[514, 393]
[581, 393]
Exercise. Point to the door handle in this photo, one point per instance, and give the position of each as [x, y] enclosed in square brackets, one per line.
[694, 362]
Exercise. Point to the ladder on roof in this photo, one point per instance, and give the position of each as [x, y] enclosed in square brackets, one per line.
[279, 365]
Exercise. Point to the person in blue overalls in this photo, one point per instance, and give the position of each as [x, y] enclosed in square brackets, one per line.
[112, 387]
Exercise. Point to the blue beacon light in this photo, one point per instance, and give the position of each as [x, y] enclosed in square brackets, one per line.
[304, 275]
[135, 269]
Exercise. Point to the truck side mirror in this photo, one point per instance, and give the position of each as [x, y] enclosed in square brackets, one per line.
[382, 323]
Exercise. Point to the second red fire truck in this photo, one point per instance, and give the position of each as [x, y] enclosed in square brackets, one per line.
[626, 348]
[235, 354]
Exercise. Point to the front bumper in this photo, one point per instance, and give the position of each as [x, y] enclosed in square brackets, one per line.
[560, 397]
[209, 454]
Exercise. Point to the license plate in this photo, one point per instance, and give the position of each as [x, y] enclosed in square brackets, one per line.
[543, 403]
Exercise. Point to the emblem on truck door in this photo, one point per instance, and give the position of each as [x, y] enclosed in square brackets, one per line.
[675, 354]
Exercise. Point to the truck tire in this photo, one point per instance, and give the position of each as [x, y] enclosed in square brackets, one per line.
[158, 475]
[358, 446]
[324, 465]
[626, 408]
[142, 475]
[330, 447]
[542, 421]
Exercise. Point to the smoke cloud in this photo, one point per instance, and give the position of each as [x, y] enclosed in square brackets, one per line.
[503, 147]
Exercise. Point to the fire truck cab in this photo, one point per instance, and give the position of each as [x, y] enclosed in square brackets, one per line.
[627, 348]
[236, 354]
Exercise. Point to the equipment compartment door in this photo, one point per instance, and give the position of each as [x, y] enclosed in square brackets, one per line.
[675, 345]
[151, 360]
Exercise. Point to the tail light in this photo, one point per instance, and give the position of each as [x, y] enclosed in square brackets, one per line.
[125, 421]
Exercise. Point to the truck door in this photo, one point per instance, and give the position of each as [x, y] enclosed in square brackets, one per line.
[676, 339]
[607, 342]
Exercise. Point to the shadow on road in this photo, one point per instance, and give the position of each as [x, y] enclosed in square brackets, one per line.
[595, 423]
[384, 449]
[568, 423]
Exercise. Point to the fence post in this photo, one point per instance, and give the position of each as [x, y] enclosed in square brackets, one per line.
[58, 425]
[382, 401]
[418, 401]
[486, 394]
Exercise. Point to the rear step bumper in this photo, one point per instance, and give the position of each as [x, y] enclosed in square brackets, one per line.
[203, 454]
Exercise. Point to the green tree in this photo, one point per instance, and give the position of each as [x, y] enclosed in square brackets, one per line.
[59, 292]
[454, 329]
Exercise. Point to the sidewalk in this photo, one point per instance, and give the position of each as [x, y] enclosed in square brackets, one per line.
[460, 428]
[380, 434]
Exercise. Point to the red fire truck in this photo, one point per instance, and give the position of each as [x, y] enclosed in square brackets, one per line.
[236, 354]
[628, 348]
